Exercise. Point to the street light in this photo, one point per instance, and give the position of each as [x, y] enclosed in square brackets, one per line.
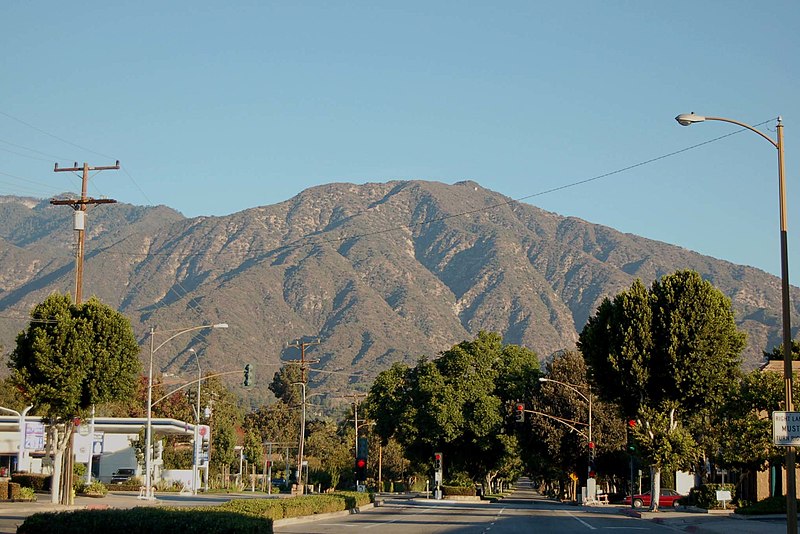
[687, 119]
[149, 428]
[302, 438]
[588, 399]
[196, 459]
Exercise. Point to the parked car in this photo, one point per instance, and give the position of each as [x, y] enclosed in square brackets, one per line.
[280, 482]
[121, 476]
[669, 497]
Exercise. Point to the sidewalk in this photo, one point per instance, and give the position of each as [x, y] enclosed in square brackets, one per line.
[713, 523]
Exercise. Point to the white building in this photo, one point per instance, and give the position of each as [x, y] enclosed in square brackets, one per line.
[23, 447]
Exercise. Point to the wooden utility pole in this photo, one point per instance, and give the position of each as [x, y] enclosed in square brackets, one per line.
[302, 361]
[79, 205]
[79, 225]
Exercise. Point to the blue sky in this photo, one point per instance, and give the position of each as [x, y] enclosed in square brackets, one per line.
[215, 108]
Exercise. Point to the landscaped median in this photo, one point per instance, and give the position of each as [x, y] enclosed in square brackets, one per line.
[239, 515]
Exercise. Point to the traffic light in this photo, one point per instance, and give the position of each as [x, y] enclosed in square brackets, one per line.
[592, 469]
[519, 409]
[361, 469]
[591, 450]
[437, 461]
[631, 437]
[248, 374]
[363, 448]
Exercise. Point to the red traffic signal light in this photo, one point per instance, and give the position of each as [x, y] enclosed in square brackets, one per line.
[520, 410]
[591, 444]
[361, 463]
[631, 423]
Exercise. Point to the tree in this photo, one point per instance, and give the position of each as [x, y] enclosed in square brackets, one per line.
[69, 358]
[458, 404]
[674, 345]
[552, 447]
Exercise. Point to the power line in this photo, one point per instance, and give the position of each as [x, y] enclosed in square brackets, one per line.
[31, 126]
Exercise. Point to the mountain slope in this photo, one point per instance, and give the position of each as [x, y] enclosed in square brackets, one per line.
[380, 272]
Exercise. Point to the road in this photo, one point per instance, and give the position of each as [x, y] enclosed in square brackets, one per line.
[524, 512]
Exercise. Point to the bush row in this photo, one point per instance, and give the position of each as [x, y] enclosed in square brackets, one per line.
[458, 490]
[9, 491]
[145, 519]
[32, 480]
[242, 515]
[298, 506]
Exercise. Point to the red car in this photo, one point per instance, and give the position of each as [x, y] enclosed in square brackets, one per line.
[669, 497]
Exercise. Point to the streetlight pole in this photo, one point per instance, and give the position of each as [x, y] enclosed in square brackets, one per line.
[302, 438]
[687, 119]
[195, 461]
[587, 398]
[149, 428]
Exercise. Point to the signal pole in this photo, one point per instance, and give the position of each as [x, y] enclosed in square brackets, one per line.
[79, 219]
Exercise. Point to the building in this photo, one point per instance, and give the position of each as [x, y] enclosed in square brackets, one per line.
[23, 444]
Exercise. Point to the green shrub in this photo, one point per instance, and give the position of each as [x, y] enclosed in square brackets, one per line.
[458, 490]
[32, 480]
[3, 490]
[95, 488]
[705, 496]
[27, 494]
[154, 520]
[264, 508]
[771, 505]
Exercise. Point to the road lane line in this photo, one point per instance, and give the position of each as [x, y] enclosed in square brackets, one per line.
[581, 521]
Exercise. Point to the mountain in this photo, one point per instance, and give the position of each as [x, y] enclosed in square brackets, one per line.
[380, 272]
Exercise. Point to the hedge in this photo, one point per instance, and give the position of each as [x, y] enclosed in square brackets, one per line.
[32, 480]
[298, 506]
[459, 490]
[241, 515]
[154, 520]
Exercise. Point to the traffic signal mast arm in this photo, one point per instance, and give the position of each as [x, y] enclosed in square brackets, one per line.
[195, 381]
[566, 422]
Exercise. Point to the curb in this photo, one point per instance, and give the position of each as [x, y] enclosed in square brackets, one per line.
[317, 517]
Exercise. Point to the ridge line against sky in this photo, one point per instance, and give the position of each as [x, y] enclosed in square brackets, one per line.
[214, 109]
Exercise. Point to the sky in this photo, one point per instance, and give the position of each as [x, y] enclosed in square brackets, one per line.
[216, 107]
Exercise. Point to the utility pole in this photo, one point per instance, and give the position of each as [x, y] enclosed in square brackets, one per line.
[79, 225]
[302, 361]
[79, 218]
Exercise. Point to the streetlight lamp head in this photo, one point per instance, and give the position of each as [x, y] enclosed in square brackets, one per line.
[220, 325]
[542, 379]
[687, 119]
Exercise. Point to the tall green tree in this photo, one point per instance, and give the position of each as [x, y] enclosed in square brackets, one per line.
[458, 404]
[675, 344]
[69, 358]
[559, 448]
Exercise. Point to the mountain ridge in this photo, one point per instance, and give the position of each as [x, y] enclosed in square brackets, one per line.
[382, 272]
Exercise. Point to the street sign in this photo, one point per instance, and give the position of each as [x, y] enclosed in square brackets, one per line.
[786, 429]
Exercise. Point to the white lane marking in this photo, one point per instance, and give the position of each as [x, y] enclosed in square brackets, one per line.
[581, 521]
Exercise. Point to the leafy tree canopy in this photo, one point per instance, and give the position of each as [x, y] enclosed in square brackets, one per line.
[72, 356]
[457, 404]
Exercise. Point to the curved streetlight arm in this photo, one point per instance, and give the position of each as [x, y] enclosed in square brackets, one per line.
[173, 336]
[573, 387]
[566, 422]
[687, 119]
